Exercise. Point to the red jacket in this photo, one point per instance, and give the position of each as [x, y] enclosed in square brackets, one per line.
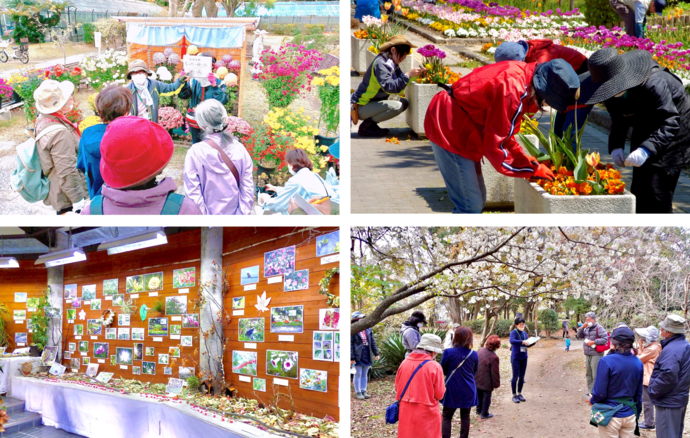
[419, 414]
[483, 115]
[545, 50]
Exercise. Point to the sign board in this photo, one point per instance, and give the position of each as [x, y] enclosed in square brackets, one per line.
[97, 39]
[198, 67]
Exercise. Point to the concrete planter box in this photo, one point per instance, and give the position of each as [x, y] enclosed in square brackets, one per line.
[405, 66]
[419, 96]
[500, 188]
[530, 198]
[358, 57]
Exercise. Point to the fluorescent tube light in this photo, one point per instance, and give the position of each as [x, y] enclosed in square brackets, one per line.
[62, 257]
[8, 262]
[146, 240]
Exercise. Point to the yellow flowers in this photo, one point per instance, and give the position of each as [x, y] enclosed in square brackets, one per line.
[317, 82]
[386, 6]
[89, 121]
[593, 159]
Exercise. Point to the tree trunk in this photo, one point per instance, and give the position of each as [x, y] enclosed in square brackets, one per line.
[455, 310]
[485, 329]
[229, 8]
[475, 312]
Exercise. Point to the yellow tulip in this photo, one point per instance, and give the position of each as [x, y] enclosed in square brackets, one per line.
[593, 159]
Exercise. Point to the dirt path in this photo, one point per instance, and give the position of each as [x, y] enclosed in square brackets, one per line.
[555, 382]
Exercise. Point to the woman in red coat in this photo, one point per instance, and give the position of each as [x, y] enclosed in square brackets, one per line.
[541, 51]
[420, 415]
[478, 117]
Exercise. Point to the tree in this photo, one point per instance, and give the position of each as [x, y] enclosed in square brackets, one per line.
[34, 18]
[548, 321]
[494, 268]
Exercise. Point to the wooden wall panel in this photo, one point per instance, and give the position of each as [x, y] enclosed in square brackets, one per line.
[182, 251]
[243, 248]
[29, 278]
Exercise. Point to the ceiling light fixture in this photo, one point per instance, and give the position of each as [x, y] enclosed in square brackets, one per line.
[146, 240]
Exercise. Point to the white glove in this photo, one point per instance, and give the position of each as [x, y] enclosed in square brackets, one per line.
[618, 157]
[637, 157]
[263, 197]
[79, 206]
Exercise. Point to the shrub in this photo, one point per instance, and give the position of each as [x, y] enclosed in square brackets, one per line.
[392, 351]
[475, 325]
[284, 73]
[548, 321]
[599, 13]
[502, 329]
[89, 29]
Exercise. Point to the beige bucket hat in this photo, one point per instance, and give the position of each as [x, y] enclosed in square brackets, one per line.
[430, 342]
[673, 323]
[52, 95]
[137, 65]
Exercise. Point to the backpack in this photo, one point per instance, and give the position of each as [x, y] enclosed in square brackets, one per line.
[606, 346]
[172, 206]
[27, 178]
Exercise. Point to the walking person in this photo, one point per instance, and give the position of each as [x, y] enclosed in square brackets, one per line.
[218, 171]
[566, 328]
[593, 335]
[648, 353]
[362, 350]
[57, 145]
[419, 412]
[567, 343]
[617, 390]
[488, 375]
[459, 366]
[670, 379]
[410, 331]
[147, 91]
[112, 102]
[448, 340]
[518, 358]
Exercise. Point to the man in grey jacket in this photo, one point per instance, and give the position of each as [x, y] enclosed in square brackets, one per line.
[594, 335]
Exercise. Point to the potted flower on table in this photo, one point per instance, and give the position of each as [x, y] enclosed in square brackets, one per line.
[420, 91]
[583, 184]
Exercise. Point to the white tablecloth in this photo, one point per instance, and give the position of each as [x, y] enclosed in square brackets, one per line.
[10, 368]
[98, 414]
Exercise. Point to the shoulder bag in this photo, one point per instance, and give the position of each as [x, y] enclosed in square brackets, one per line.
[393, 411]
[457, 368]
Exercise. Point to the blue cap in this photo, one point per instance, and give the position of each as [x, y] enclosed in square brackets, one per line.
[556, 83]
[510, 51]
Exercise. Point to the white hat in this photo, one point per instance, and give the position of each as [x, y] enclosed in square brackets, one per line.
[430, 342]
[260, 32]
[52, 95]
[650, 334]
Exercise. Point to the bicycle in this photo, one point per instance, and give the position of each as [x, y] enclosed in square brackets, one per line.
[21, 52]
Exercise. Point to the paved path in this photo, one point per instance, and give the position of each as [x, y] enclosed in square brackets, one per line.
[404, 178]
[45, 64]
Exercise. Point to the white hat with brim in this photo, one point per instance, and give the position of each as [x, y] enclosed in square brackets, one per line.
[430, 342]
[52, 95]
[673, 324]
[650, 334]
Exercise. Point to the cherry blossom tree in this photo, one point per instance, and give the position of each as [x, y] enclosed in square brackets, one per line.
[395, 269]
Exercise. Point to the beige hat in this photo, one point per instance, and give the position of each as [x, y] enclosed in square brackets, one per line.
[430, 342]
[52, 95]
[673, 323]
[137, 65]
[394, 41]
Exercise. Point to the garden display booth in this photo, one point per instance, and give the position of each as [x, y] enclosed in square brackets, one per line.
[280, 334]
[220, 36]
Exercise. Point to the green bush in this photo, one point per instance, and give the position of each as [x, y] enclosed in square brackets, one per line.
[599, 13]
[476, 325]
[502, 329]
[392, 351]
[548, 321]
[89, 29]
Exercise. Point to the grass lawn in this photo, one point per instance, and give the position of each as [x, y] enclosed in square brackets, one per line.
[43, 52]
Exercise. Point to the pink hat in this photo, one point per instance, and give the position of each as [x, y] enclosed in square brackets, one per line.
[133, 151]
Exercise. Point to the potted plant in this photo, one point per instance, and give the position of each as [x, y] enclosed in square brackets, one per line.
[359, 43]
[379, 32]
[583, 184]
[421, 89]
[329, 94]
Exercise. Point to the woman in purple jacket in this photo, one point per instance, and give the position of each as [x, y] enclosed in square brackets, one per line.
[208, 179]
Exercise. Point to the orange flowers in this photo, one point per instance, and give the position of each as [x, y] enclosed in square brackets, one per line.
[565, 184]
[361, 34]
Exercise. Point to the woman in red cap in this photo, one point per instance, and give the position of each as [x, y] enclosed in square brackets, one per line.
[479, 115]
[133, 152]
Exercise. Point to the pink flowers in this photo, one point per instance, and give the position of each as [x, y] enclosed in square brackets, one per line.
[170, 118]
[239, 128]
[5, 89]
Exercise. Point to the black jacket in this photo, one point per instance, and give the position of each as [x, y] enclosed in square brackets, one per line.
[670, 381]
[659, 113]
[357, 346]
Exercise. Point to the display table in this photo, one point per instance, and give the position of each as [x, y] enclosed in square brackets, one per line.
[10, 369]
[96, 413]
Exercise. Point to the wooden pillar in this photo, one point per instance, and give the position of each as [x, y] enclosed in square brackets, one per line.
[211, 347]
